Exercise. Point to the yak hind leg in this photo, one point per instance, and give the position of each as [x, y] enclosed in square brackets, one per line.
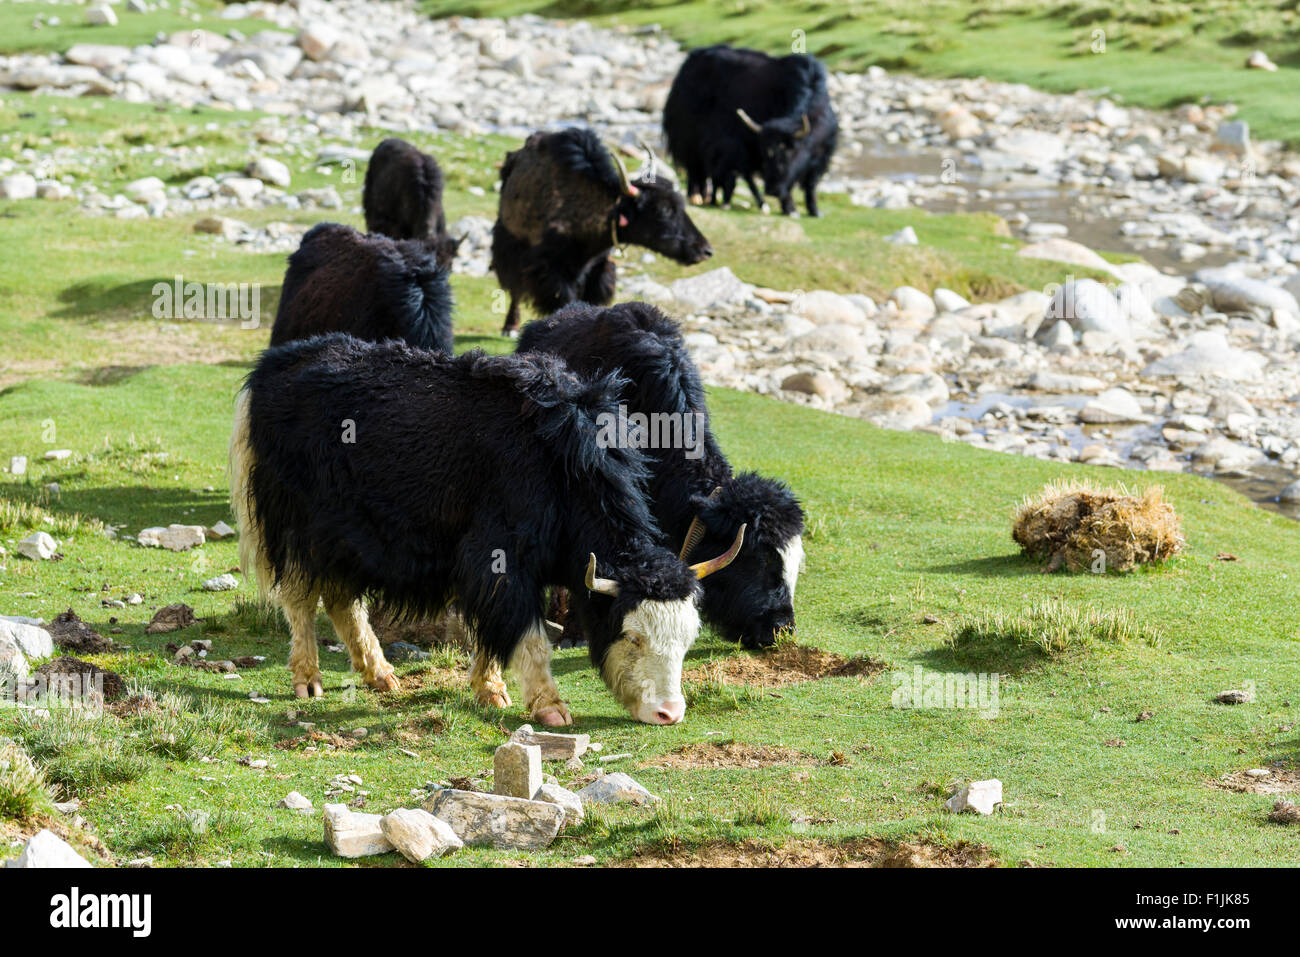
[353, 627]
[486, 682]
[531, 662]
[304, 659]
[600, 282]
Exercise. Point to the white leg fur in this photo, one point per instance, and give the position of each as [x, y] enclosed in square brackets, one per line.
[531, 663]
[353, 627]
[303, 659]
[486, 682]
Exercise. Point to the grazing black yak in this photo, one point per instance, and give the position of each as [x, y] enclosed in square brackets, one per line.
[697, 499]
[402, 198]
[363, 470]
[372, 287]
[734, 111]
[565, 203]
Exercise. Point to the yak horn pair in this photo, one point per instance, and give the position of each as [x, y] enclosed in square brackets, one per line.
[607, 586]
[749, 121]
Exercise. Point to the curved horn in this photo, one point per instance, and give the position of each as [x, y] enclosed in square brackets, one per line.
[748, 120]
[696, 531]
[704, 569]
[652, 163]
[601, 586]
[624, 182]
[807, 128]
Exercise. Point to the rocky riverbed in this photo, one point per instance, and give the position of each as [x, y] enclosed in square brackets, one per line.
[1185, 362]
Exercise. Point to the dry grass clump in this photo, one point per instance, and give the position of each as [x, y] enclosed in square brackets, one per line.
[1070, 523]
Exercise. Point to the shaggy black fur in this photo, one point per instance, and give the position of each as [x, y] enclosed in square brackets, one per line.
[452, 459]
[561, 210]
[370, 286]
[749, 600]
[402, 198]
[710, 141]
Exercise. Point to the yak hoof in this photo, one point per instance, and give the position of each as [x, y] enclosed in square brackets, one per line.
[766, 209]
[309, 689]
[384, 681]
[553, 715]
[510, 333]
[494, 699]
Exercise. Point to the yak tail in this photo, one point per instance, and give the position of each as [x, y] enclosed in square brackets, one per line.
[252, 553]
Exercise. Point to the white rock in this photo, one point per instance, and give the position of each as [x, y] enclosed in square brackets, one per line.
[32, 639]
[616, 788]
[979, 796]
[913, 300]
[572, 804]
[1113, 406]
[827, 308]
[1259, 61]
[243, 188]
[18, 465]
[418, 835]
[223, 582]
[268, 171]
[13, 663]
[1208, 354]
[38, 546]
[949, 301]
[101, 56]
[101, 15]
[904, 237]
[554, 746]
[297, 802]
[176, 538]
[352, 834]
[717, 287]
[1087, 306]
[219, 531]
[517, 770]
[505, 822]
[316, 39]
[18, 186]
[1066, 251]
[46, 849]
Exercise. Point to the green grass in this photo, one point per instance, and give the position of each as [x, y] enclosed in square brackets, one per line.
[903, 528]
[1157, 53]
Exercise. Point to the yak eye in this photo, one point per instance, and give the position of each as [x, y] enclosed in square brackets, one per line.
[635, 639]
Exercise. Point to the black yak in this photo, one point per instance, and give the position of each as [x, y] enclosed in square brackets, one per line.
[412, 479]
[565, 203]
[733, 112]
[370, 286]
[697, 499]
[402, 198]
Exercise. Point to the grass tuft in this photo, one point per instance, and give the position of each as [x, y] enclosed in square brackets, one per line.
[1053, 627]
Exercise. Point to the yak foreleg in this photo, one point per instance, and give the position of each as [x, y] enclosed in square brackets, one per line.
[531, 662]
[353, 627]
[486, 682]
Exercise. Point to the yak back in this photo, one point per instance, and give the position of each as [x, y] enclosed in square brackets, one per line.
[395, 472]
[563, 182]
[642, 345]
[720, 78]
[372, 287]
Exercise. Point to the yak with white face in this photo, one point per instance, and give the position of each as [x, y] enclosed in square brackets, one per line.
[696, 497]
[476, 480]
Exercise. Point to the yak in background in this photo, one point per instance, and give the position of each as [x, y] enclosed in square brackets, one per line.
[736, 112]
[565, 203]
[402, 198]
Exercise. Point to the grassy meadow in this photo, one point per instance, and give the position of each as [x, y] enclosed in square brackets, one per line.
[1105, 734]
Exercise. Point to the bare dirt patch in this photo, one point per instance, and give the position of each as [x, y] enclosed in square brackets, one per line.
[1278, 781]
[861, 852]
[727, 754]
[326, 740]
[786, 664]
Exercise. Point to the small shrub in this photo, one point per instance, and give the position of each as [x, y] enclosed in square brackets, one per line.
[23, 791]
